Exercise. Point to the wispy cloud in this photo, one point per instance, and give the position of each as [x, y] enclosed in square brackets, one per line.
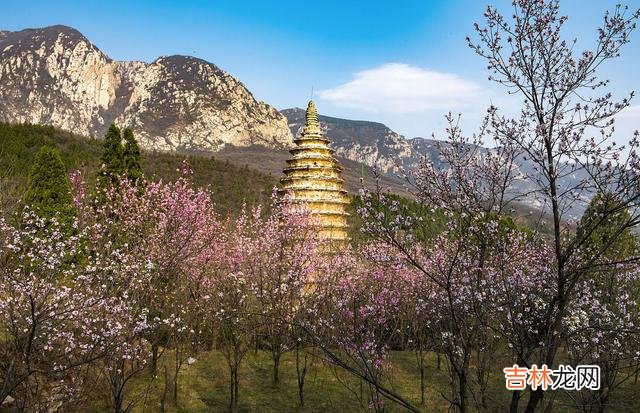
[631, 112]
[402, 89]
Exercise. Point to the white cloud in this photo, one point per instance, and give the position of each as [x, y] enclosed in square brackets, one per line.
[401, 88]
[627, 122]
[631, 112]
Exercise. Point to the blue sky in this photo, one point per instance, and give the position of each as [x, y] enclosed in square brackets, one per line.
[404, 63]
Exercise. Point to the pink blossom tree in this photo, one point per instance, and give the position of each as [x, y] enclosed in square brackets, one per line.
[255, 287]
[58, 313]
[283, 252]
[227, 300]
[174, 226]
[354, 317]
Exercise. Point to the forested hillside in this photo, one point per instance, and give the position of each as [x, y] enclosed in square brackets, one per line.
[231, 184]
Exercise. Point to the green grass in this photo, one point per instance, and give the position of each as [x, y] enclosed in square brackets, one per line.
[203, 387]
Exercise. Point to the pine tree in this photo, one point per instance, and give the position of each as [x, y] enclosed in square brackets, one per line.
[111, 161]
[598, 232]
[131, 156]
[49, 191]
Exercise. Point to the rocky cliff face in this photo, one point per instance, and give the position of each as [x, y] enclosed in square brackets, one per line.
[56, 76]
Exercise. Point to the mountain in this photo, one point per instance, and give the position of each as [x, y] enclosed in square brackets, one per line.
[55, 76]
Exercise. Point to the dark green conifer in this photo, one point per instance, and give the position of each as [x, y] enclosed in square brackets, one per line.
[131, 156]
[600, 228]
[49, 191]
[111, 160]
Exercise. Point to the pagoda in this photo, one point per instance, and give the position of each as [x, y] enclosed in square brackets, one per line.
[313, 179]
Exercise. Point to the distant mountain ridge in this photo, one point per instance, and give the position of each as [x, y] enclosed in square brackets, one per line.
[55, 76]
[371, 143]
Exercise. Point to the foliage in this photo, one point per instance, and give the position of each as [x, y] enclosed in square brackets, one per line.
[61, 310]
[230, 185]
[112, 160]
[603, 227]
[431, 221]
[49, 192]
[131, 157]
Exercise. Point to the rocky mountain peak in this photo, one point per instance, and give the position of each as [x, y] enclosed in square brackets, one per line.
[47, 41]
[55, 75]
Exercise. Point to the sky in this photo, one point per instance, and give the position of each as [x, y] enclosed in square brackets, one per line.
[403, 63]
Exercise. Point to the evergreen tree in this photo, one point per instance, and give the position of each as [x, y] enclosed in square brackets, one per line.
[111, 160]
[598, 232]
[49, 191]
[131, 156]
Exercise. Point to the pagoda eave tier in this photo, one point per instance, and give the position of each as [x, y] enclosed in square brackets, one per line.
[322, 163]
[319, 204]
[314, 137]
[315, 169]
[311, 156]
[333, 214]
[304, 149]
[312, 178]
[336, 207]
[325, 193]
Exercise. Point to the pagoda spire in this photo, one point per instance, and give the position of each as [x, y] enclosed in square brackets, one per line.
[313, 179]
[311, 119]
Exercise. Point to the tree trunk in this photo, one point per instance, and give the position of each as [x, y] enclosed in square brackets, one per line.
[153, 368]
[515, 400]
[175, 389]
[301, 373]
[118, 402]
[234, 384]
[534, 399]
[276, 367]
[462, 392]
[117, 392]
[420, 357]
[177, 366]
[165, 390]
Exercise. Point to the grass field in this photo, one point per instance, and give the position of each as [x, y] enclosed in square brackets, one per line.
[203, 387]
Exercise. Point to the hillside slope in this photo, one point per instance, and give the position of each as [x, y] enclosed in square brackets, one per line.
[232, 185]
